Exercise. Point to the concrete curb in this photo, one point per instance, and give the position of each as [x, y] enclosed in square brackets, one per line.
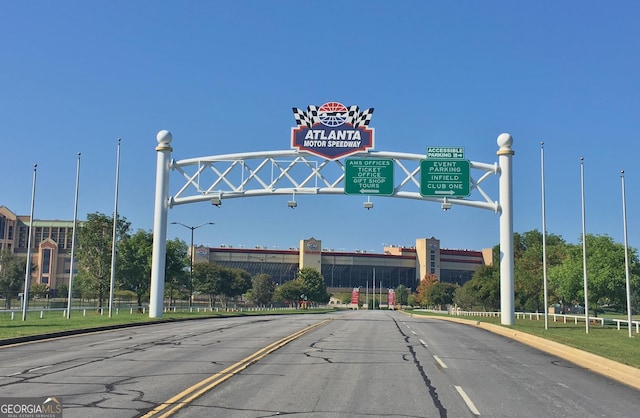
[622, 373]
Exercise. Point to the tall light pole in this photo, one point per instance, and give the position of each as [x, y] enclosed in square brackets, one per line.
[544, 244]
[73, 240]
[114, 237]
[191, 253]
[584, 251]
[626, 252]
[27, 276]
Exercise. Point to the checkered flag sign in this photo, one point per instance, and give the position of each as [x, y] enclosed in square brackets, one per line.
[355, 117]
[306, 118]
[363, 118]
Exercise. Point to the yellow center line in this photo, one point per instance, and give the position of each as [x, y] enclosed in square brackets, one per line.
[188, 395]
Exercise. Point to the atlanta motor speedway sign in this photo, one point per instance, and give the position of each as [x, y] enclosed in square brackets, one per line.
[332, 130]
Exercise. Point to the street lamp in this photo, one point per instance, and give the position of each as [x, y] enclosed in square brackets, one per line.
[191, 253]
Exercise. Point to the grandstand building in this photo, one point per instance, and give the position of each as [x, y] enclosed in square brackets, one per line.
[395, 265]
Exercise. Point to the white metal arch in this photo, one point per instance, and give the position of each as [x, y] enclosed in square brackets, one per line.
[291, 172]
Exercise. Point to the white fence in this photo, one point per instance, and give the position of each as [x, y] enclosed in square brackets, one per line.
[555, 317]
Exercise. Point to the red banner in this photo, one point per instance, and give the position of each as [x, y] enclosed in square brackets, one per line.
[355, 295]
[392, 298]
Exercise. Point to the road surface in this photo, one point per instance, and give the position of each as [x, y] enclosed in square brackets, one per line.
[345, 364]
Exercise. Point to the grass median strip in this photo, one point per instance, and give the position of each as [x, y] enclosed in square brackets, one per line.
[171, 406]
[54, 322]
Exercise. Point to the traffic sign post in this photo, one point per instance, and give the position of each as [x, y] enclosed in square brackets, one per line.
[368, 176]
[444, 177]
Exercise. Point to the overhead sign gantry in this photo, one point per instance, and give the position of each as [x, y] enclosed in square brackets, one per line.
[316, 164]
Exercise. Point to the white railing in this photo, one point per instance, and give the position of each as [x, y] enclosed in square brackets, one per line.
[555, 317]
[626, 322]
[16, 313]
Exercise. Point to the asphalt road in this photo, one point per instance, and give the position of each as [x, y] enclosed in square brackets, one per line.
[356, 364]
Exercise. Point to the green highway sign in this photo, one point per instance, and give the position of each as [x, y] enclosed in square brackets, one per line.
[368, 176]
[444, 177]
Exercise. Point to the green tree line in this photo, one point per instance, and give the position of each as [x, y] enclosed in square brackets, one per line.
[606, 277]
[216, 283]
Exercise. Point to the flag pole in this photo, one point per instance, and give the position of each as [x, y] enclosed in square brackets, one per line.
[73, 239]
[584, 250]
[115, 234]
[27, 275]
[626, 253]
[544, 243]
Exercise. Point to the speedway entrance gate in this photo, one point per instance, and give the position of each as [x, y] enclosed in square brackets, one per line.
[292, 172]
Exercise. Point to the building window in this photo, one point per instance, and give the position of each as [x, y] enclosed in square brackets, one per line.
[61, 241]
[10, 232]
[67, 266]
[54, 234]
[22, 237]
[3, 222]
[46, 261]
[44, 280]
[45, 232]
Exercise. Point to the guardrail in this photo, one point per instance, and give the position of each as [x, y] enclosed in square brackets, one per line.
[458, 312]
[63, 311]
[17, 313]
[556, 317]
[626, 321]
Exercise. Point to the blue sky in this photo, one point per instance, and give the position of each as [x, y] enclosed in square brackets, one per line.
[222, 76]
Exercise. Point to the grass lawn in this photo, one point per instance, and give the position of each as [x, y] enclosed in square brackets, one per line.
[605, 341]
[54, 321]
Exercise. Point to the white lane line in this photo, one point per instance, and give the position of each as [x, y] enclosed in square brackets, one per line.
[413, 332]
[423, 343]
[467, 400]
[16, 373]
[440, 362]
[38, 368]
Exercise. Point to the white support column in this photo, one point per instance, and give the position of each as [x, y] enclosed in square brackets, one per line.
[507, 293]
[160, 224]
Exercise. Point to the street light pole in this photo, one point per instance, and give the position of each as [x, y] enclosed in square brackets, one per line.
[191, 253]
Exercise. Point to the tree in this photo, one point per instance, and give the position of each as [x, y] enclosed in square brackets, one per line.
[290, 291]
[528, 266]
[482, 290]
[402, 294]
[95, 237]
[424, 287]
[38, 289]
[208, 279]
[606, 276]
[176, 265]
[134, 264]
[442, 294]
[411, 300]
[465, 298]
[262, 289]
[313, 283]
[12, 272]
[239, 283]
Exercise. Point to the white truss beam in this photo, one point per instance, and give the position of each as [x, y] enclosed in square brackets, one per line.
[288, 172]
